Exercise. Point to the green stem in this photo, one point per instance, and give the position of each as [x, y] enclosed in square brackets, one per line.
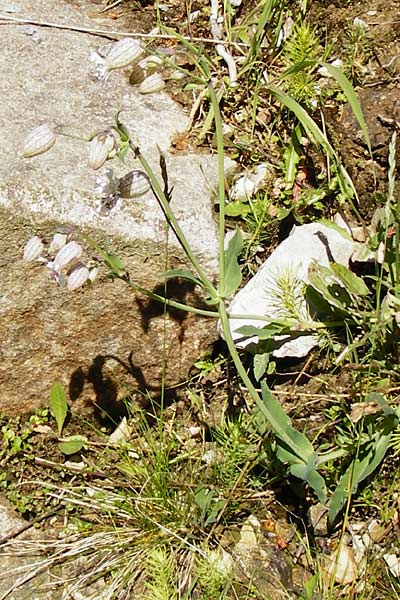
[168, 301]
[221, 184]
[172, 221]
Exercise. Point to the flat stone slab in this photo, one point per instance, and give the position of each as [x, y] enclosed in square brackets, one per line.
[49, 334]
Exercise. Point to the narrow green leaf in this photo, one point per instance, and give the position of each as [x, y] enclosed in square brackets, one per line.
[292, 156]
[370, 456]
[72, 444]
[233, 273]
[320, 279]
[268, 331]
[58, 405]
[297, 443]
[114, 263]
[317, 483]
[354, 284]
[352, 99]
[315, 133]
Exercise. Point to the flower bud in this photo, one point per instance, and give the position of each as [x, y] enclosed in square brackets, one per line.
[152, 83]
[133, 184]
[122, 54]
[69, 253]
[33, 249]
[59, 240]
[77, 277]
[93, 274]
[101, 146]
[39, 140]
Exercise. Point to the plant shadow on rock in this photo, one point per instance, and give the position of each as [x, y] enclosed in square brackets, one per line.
[109, 406]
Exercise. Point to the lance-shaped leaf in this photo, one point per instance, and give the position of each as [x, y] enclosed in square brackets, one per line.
[233, 273]
[58, 405]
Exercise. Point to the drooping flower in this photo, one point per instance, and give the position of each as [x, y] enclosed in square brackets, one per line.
[101, 147]
[77, 277]
[133, 184]
[70, 253]
[116, 56]
[33, 249]
[152, 83]
[59, 240]
[37, 141]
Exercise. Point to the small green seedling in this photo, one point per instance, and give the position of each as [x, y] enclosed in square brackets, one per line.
[59, 410]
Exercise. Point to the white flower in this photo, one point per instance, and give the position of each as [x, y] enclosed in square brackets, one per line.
[93, 274]
[123, 53]
[101, 147]
[152, 83]
[59, 240]
[68, 254]
[116, 56]
[33, 249]
[77, 277]
[133, 184]
[107, 187]
[37, 141]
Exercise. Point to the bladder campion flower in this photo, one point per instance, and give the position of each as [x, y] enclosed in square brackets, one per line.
[37, 141]
[118, 55]
[70, 253]
[135, 183]
[77, 277]
[102, 146]
[33, 248]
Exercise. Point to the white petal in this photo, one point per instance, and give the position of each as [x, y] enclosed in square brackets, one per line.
[133, 184]
[153, 83]
[123, 53]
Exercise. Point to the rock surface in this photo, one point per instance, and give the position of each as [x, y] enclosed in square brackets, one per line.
[277, 289]
[100, 342]
[10, 561]
[20, 557]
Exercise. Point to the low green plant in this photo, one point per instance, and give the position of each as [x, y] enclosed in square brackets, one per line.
[152, 518]
[357, 52]
[59, 410]
[161, 581]
[303, 48]
[292, 447]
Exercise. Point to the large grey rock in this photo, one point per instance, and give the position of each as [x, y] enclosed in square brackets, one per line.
[101, 341]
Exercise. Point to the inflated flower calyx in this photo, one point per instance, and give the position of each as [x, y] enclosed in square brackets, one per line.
[59, 240]
[152, 83]
[37, 141]
[122, 54]
[77, 277]
[33, 248]
[69, 253]
[101, 147]
[133, 184]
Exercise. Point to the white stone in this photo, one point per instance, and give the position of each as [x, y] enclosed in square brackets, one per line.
[306, 244]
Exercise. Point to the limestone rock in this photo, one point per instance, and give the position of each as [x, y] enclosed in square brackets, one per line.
[288, 267]
[102, 341]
